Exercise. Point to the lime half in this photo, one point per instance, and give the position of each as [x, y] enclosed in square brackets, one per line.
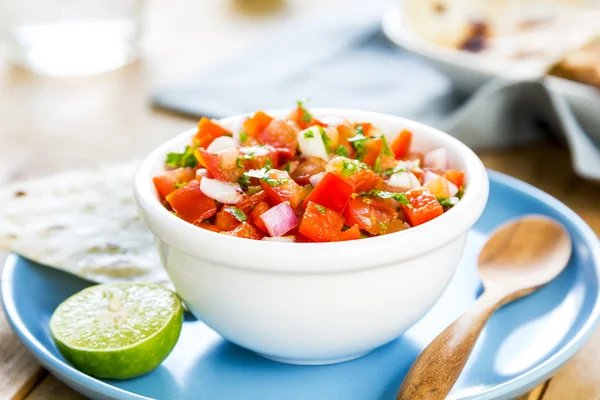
[117, 331]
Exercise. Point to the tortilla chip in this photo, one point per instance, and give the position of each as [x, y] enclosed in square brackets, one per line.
[84, 222]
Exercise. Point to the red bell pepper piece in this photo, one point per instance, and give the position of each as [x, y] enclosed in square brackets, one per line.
[207, 132]
[256, 124]
[425, 207]
[280, 187]
[456, 177]
[259, 210]
[370, 214]
[191, 204]
[320, 223]
[401, 144]
[349, 234]
[166, 183]
[373, 147]
[332, 192]
[247, 231]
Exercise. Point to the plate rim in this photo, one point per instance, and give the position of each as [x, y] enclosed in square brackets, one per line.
[468, 61]
[526, 379]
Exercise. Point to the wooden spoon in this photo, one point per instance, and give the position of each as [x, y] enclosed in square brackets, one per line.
[519, 258]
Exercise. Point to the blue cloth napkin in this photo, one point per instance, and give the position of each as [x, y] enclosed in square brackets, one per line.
[346, 61]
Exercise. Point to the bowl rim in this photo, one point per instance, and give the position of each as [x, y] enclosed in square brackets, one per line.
[334, 256]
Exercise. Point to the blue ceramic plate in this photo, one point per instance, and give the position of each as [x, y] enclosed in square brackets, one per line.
[523, 344]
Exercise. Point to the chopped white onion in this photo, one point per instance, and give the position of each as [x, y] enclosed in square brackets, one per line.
[283, 239]
[437, 159]
[453, 200]
[404, 181]
[316, 178]
[311, 143]
[221, 143]
[256, 150]
[429, 176]
[280, 219]
[223, 192]
[452, 189]
[201, 172]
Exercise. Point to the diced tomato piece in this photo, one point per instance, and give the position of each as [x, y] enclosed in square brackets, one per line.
[438, 187]
[415, 156]
[247, 231]
[401, 144]
[282, 188]
[425, 207]
[370, 214]
[332, 192]
[207, 225]
[349, 234]
[166, 183]
[207, 132]
[419, 174]
[309, 167]
[456, 177]
[320, 223]
[225, 220]
[191, 204]
[373, 147]
[280, 134]
[259, 210]
[248, 203]
[257, 123]
[396, 226]
[367, 128]
[222, 166]
[344, 132]
[256, 157]
[303, 118]
[362, 178]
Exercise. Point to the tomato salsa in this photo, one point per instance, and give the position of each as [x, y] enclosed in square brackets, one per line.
[300, 179]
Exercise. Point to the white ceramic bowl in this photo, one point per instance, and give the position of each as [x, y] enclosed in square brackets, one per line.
[315, 303]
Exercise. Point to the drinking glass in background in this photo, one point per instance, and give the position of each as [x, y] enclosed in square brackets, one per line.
[72, 37]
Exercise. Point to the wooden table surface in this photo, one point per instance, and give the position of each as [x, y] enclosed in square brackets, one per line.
[51, 124]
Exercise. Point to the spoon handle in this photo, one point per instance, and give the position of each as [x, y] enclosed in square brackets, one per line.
[437, 369]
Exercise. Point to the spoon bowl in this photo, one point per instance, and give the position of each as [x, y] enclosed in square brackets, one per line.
[519, 258]
[524, 254]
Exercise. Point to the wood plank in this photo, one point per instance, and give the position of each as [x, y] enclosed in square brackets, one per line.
[52, 388]
[578, 379]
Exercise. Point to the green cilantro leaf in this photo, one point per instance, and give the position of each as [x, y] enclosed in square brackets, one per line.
[309, 134]
[243, 137]
[341, 151]
[237, 213]
[358, 142]
[263, 175]
[399, 197]
[460, 194]
[287, 166]
[326, 140]
[395, 170]
[382, 228]
[244, 157]
[253, 190]
[386, 147]
[306, 116]
[269, 164]
[321, 209]
[182, 160]
[447, 201]
[178, 185]
[377, 166]
[351, 166]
